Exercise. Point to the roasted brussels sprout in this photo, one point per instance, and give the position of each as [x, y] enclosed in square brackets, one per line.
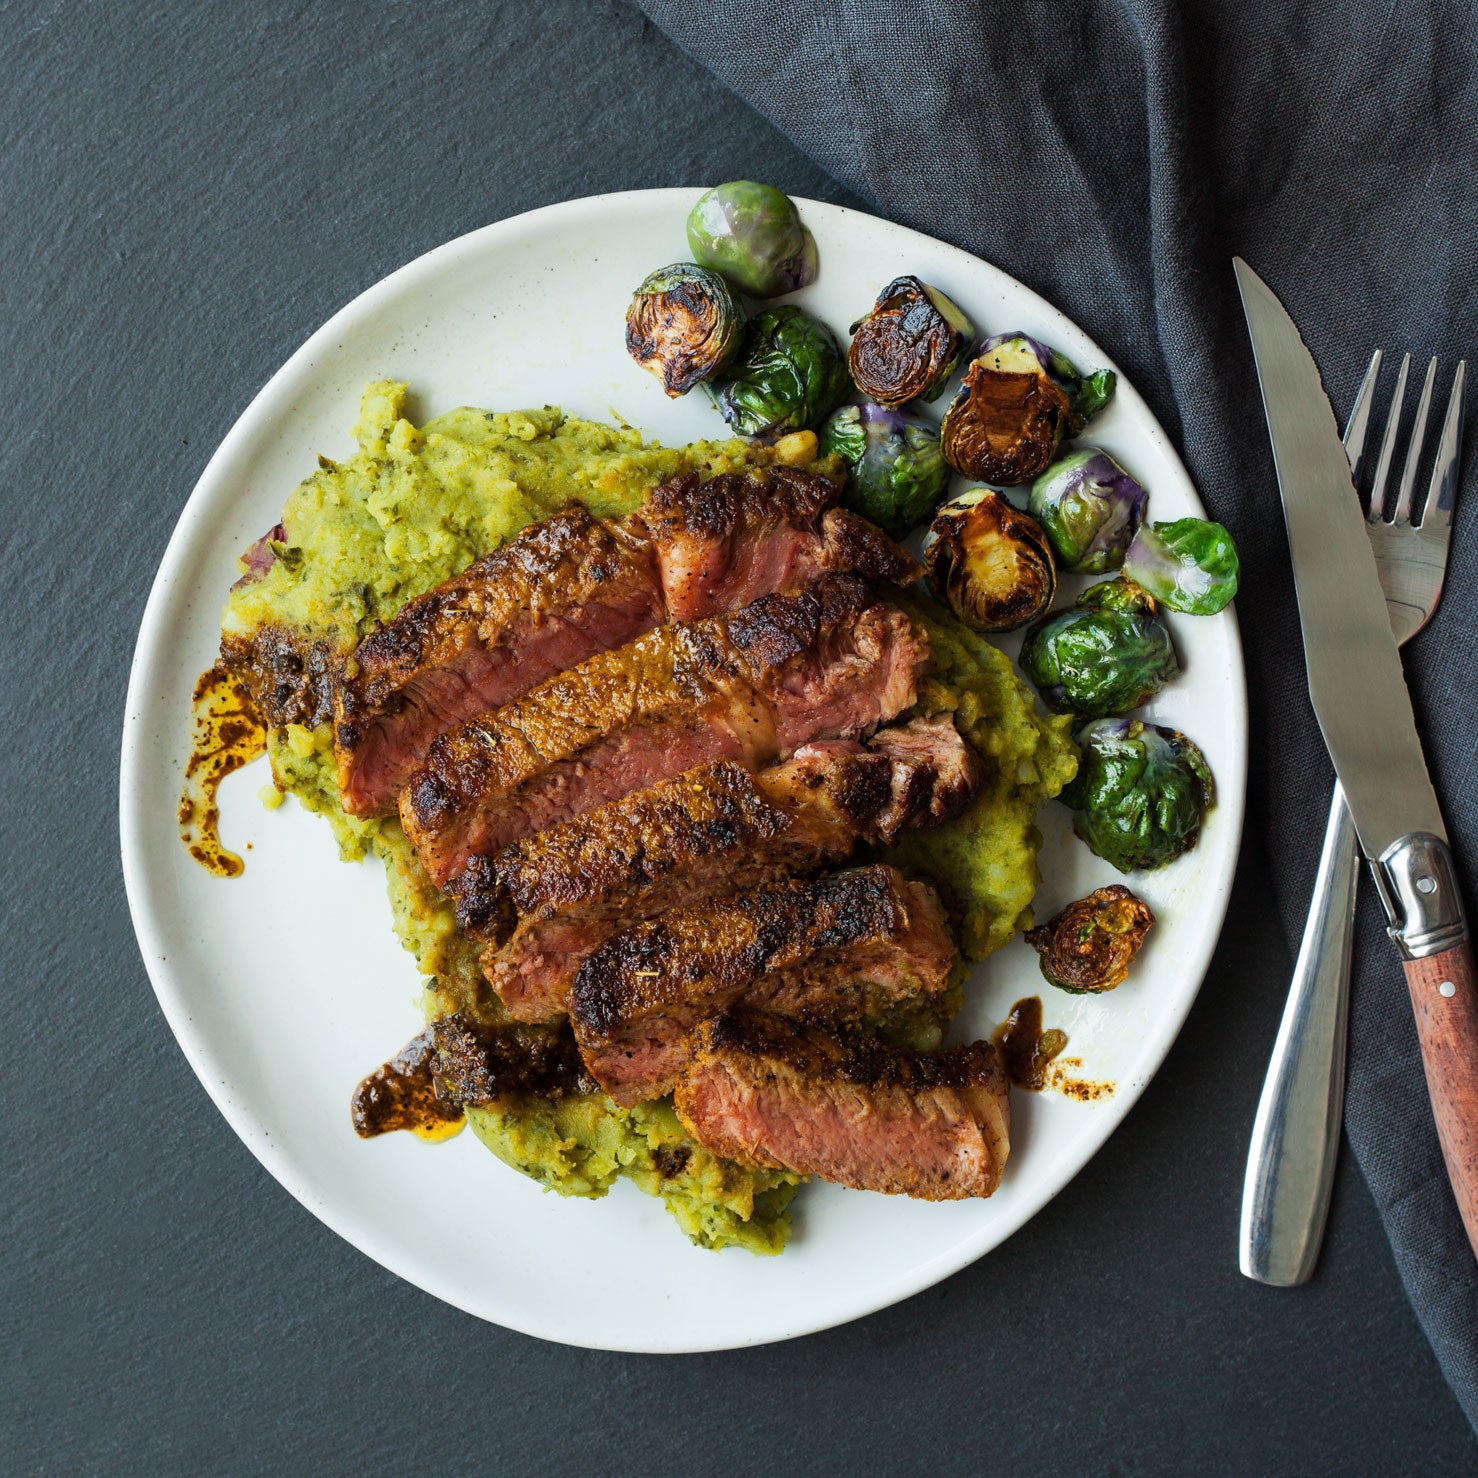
[989, 561]
[1190, 565]
[909, 345]
[898, 472]
[1019, 399]
[752, 233]
[1091, 509]
[1108, 653]
[1140, 793]
[684, 325]
[1091, 944]
[788, 375]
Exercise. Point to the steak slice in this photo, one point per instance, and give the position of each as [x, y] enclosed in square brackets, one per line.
[766, 1091]
[835, 948]
[546, 600]
[574, 585]
[833, 661]
[546, 903]
[723, 543]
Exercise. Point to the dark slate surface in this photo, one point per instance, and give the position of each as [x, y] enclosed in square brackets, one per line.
[188, 190]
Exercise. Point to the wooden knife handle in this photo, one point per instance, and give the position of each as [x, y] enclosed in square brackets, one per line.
[1444, 995]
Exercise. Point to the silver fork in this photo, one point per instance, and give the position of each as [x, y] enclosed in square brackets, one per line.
[1295, 1137]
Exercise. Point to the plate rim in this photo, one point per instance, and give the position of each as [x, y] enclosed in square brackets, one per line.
[132, 760]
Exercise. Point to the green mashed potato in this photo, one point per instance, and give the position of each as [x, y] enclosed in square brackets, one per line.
[412, 507]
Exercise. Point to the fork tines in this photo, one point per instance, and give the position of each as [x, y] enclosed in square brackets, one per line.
[1435, 513]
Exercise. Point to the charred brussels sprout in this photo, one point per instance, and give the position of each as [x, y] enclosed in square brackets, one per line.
[1190, 565]
[898, 471]
[1091, 944]
[683, 326]
[1091, 509]
[909, 345]
[752, 234]
[1109, 653]
[1140, 793]
[989, 562]
[1019, 399]
[788, 376]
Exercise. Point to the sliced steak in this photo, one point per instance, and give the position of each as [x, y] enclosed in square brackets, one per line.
[834, 948]
[723, 543]
[833, 661]
[574, 585]
[549, 598]
[477, 1063]
[767, 1091]
[546, 903]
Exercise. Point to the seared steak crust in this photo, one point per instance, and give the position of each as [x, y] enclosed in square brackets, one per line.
[557, 592]
[574, 585]
[289, 676]
[836, 948]
[724, 542]
[753, 687]
[545, 903]
[485, 1064]
[767, 1091]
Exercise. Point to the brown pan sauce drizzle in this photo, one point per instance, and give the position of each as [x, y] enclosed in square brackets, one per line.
[402, 1095]
[227, 734]
[1031, 1055]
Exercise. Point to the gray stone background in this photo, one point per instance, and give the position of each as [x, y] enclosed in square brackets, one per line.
[186, 191]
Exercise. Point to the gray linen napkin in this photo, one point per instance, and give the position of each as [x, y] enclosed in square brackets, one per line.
[1114, 156]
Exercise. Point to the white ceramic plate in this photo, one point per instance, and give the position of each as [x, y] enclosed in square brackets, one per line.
[285, 985]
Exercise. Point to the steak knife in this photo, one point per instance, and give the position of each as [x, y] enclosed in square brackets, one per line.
[1364, 711]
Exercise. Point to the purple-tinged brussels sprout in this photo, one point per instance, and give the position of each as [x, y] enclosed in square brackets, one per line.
[898, 472]
[1018, 401]
[1106, 654]
[909, 345]
[684, 326]
[989, 561]
[1089, 947]
[1190, 565]
[788, 375]
[752, 234]
[1091, 509]
[1140, 794]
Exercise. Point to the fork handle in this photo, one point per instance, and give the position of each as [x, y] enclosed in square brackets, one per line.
[1295, 1137]
[1444, 995]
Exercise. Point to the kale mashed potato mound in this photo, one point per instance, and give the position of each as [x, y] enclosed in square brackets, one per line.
[415, 505]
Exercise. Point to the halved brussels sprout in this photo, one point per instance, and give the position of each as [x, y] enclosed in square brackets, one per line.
[787, 376]
[1108, 653]
[752, 233]
[684, 325]
[1090, 945]
[1019, 399]
[1140, 794]
[909, 345]
[898, 471]
[1191, 565]
[989, 561]
[1091, 509]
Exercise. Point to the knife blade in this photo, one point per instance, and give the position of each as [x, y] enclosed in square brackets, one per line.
[1364, 711]
[1355, 677]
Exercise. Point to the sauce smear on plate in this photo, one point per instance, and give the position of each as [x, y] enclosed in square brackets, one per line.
[227, 734]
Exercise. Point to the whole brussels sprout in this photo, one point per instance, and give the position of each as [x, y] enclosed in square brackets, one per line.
[1108, 653]
[1091, 509]
[1140, 794]
[1090, 945]
[788, 375]
[684, 325]
[909, 345]
[1019, 399]
[898, 471]
[1190, 565]
[752, 233]
[989, 562]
